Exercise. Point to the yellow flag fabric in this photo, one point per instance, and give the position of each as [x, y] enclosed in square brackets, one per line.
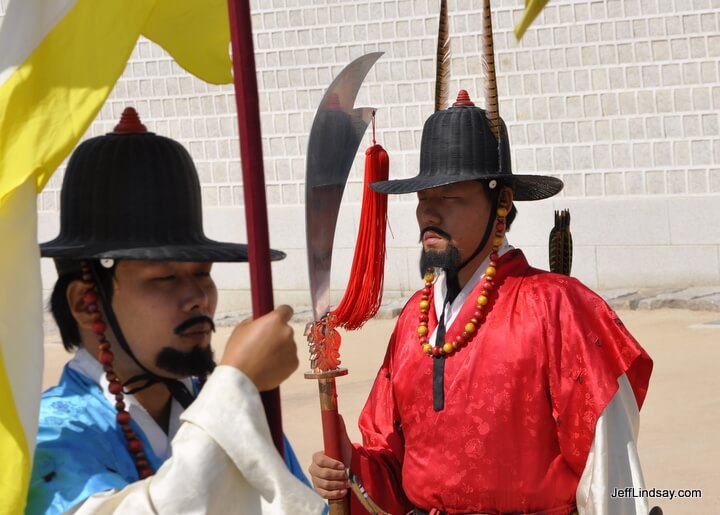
[532, 9]
[197, 35]
[59, 62]
[21, 358]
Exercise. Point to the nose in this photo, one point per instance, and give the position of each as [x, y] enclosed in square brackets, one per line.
[197, 296]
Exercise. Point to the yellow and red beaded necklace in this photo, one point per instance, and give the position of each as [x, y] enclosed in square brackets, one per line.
[482, 303]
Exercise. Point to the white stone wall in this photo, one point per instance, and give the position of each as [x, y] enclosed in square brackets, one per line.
[620, 99]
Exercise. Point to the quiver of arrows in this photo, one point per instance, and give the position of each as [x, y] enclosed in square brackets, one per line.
[560, 244]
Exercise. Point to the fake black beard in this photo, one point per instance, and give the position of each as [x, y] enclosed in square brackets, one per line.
[196, 362]
[447, 259]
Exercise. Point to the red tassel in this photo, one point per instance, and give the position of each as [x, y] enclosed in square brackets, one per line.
[363, 294]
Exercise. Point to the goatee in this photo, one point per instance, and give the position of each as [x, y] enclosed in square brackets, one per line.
[447, 259]
[196, 362]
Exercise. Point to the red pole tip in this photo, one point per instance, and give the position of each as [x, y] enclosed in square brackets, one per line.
[463, 99]
[129, 123]
[333, 102]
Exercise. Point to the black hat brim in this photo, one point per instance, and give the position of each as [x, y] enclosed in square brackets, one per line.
[525, 187]
[205, 251]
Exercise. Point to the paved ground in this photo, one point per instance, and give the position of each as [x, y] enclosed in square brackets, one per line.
[680, 416]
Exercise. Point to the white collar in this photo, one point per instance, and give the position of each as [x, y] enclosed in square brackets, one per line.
[84, 363]
[440, 290]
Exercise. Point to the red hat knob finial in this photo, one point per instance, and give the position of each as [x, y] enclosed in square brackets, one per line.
[463, 99]
[129, 123]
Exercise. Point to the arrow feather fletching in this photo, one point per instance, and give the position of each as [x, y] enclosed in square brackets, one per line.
[560, 244]
[488, 60]
[442, 68]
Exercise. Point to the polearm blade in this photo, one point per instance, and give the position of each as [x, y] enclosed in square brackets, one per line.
[335, 136]
[246, 98]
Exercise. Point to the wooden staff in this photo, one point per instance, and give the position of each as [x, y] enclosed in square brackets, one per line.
[246, 98]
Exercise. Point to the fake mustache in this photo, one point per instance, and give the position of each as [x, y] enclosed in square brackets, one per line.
[190, 322]
[436, 230]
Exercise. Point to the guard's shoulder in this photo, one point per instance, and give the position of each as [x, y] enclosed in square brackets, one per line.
[549, 285]
[67, 405]
[545, 278]
[59, 407]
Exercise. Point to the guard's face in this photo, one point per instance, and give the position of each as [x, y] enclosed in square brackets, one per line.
[165, 310]
[452, 216]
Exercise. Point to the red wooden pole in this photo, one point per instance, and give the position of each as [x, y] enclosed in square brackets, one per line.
[248, 109]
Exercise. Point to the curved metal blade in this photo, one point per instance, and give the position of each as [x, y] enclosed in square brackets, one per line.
[335, 136]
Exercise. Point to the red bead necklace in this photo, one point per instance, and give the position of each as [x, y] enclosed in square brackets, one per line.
[105, 356]
[482, 306]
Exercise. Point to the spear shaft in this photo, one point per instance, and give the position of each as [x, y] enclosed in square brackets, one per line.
[248, 109]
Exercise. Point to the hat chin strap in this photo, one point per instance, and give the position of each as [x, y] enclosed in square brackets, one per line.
[177, 389]
[486, 236]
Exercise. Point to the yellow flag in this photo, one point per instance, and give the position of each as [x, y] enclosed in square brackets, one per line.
[532, 9]
[59, 62]
[21, 359]
[197, 35]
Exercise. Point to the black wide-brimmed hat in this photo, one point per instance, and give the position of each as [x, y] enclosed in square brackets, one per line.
[132, 194]
[458, 145]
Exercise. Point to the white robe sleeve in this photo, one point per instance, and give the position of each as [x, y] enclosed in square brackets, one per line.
[224, 461]
[613, 463]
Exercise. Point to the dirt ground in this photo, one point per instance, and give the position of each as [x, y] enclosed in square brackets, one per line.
[677, 449]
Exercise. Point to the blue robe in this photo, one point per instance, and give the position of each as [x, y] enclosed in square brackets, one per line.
[81, 449]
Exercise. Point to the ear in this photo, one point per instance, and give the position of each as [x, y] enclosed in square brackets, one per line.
[505, 198]
[78, 304]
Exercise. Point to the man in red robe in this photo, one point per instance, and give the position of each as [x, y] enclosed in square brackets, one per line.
[505, 389]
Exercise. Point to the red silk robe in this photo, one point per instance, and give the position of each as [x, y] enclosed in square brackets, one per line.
[521, 400]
